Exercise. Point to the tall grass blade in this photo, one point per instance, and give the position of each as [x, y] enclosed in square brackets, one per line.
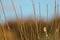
[55, 20]
[40, 17]
[35, 19]
[24, 31]
[5, 18]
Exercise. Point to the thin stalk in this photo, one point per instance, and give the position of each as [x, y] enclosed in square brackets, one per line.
[47, 19]
[58, 25]
[51, 26]
[23, 23]
[55, 11]
[22, 33]
[55, 19]
[39, 11]
[57, 29]
[21, 18]
[18, 23]
[47, 14]
[15, 14]
[32, 32]
[3, 30]
[58, 8]
[5, 17]
[35, 18]
[40, 18]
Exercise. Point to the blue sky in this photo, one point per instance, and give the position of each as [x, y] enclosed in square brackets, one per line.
[27, 8]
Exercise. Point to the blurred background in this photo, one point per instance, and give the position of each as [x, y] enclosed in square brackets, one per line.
[29, 19]
[27, 9]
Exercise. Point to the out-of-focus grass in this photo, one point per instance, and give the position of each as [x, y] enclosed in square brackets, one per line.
[30, 34]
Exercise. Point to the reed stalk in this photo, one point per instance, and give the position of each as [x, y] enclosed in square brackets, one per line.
[17, 18]
[3, 30]
[21, 18]
[18, 23]
[15, 14]
[58, 8]
[47, 19]
[47, 14]
[55, 19]
[51, 26]
[5, 19]
[35, 19]
[23, 22]
[32, 32]
[57, 27]
[40, 18]
[55, 11]
[39, 11]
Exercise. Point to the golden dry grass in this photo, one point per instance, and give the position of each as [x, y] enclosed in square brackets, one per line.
[30, 29]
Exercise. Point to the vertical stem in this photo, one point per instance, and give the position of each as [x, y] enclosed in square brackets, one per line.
[35, 18]
[40, 18]
[57, 30]
[18, 23]
[32, 32]
[55, 11]
[23, 23]
[15, 14]
[47, 14]
[14, 10]
[57, 8]
[55, 19]
[51, 26]
[5, 17]
[47, 19]
[3, 30]
[39, 11]
[21, 18]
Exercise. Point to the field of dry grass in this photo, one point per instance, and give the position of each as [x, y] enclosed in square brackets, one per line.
[29, 31]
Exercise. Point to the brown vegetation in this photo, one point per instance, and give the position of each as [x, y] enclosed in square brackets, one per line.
[30, 29]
